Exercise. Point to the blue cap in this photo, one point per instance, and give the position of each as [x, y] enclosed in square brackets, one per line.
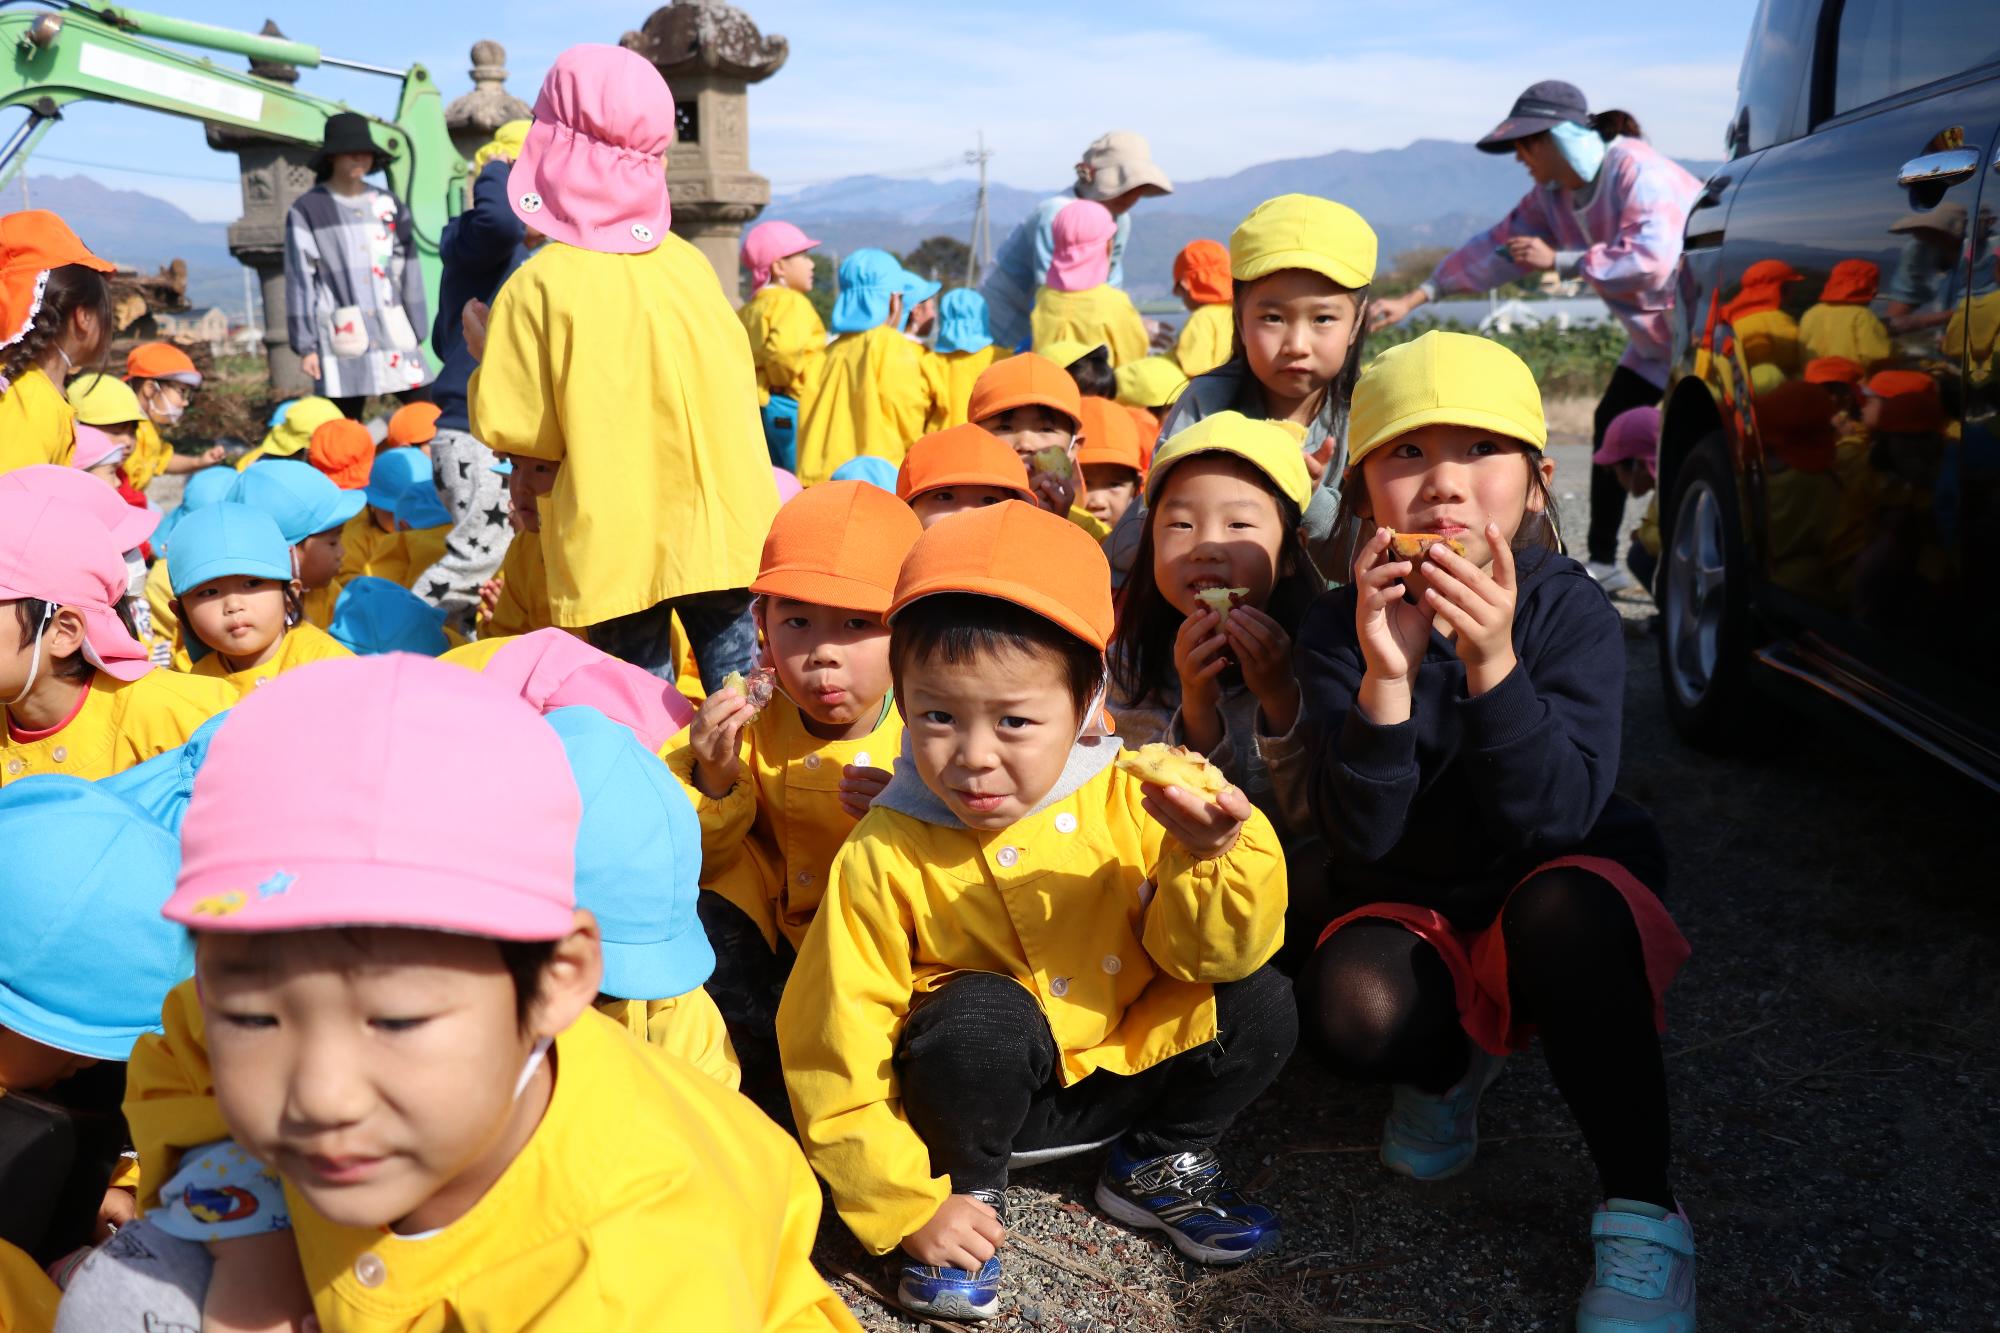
[867, 467]
[962, 322]
[378, 616]
[503, 468]
[868, 278]
[638, 860]
[163, 785]
[206, 487]
[225, 539]
[86, 959]
[303, 499]
[401, 483]
[916, 290]
[278, 413]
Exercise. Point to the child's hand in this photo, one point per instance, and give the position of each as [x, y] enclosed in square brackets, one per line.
[860, 786]
[489, 598]
[1264, 651]
[118, 1208]
[714, 737]
[210, 456]
[1393, 634]
[472, 323]
[1199, 657]
[1207, 830]
[1318, 460]
[1478, 606]
[1053, 493]
[963, 1233]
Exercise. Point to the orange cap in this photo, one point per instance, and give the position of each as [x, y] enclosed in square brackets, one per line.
[1019, 381]
[32, 242]
[344, 451]
[1019, 553]
[839, 543]
[1109, 435]
[1909, 401]
[962, 456]
[1834, 370]
[415, 424]
[1201, 270]
[160, 361]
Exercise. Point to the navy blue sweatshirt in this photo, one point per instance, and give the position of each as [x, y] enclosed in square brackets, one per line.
[478, 249]
[1452, 807]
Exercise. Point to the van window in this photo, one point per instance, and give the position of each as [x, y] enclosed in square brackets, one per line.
[1885, 47]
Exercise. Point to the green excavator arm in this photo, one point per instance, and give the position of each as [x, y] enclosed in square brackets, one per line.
[62, 52]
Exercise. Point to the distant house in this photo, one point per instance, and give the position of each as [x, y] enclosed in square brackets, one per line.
[1497, 316]
[209, 326]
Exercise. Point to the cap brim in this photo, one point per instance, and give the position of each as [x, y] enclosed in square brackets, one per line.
[109, 647]
[224, 565]
[95, 1041]
[1500, 139]
[1477, 419]
[1005, 590]
[823, 589]
[267, 897]
[1156, 477]
[132, 532]
[1008, 402]
[1313, 261]
[338, 512]
[658, 970]
[972, 479]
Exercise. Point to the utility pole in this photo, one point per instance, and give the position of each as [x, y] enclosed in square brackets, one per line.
[980, 253]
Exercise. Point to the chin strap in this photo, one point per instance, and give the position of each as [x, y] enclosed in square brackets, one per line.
[1092, 710]
[35, 653]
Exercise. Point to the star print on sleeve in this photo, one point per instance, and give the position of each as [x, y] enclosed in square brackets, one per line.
[436, 590]
[464, 469]
[496, 516]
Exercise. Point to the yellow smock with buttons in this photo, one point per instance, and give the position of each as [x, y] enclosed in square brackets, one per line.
[396, 556]
[872, 398]
[787, 341]
[634, 373]
[1206, 340]
[1095, 315]
[121, 723]
[689, 1026]
[37, 424]
[768, 845]
[303, 643]
[1117, 932]
[952, 375]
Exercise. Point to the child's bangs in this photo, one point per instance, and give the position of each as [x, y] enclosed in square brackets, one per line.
[959, 629]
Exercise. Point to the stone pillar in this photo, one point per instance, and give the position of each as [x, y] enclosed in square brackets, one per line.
[471, 119]
[710, 53]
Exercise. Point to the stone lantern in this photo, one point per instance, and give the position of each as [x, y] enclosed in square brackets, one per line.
[710, 53]
[471, 119]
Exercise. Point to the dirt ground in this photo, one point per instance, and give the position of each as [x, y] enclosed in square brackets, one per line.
[1836, 1097]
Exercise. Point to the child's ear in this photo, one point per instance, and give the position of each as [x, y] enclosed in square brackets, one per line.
[570, 979]
[66, 633]
[1538, 495]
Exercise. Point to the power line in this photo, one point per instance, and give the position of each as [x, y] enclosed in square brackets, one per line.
[135, 171]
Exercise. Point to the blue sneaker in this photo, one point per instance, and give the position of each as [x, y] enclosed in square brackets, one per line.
[954, 1293]
[1645, 1271]
[1434, 1136]
[1186, 1195]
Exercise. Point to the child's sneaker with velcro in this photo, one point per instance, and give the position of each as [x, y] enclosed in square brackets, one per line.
[955, 1293]
[1435, 1135]
[1187, 1196]
[1645, 1271]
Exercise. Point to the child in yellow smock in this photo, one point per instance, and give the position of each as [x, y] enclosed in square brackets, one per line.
[873, 396]
[402, 531]
[1840, 323]
[781, 769]
[164, 378]
[55, 319]
[787, 339]
[314, 514]
[234, 593]
[1031, 405]
[78, 691]
[1025, 948]
[1077, 301]
[964, 349]
[1202, 281]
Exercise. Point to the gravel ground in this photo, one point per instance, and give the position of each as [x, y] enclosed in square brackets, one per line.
[1836, 1098]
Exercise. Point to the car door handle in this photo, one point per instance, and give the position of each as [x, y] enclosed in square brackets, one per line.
[1945, 168]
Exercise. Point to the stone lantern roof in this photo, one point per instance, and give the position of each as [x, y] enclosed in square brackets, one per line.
[707, 37]
[489, 105]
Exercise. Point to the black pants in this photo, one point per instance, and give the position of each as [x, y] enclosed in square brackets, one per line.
[746, 986]
[1628, 389]
[1379, 1007]
[978, 1075]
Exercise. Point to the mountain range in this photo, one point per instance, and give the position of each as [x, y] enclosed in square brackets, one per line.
[1432, 192]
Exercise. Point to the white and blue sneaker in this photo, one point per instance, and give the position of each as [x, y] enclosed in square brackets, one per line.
[1645, 1271]
[1187, 1196]
[955, 1293]
[1433, 1135]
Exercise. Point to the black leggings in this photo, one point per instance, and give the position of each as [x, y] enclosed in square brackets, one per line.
[1628, 389]
[1377, 1004]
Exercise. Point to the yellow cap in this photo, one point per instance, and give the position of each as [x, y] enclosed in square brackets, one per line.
[1272, 447]
[1151, 381]
[295, 432]
[1303, 231]
[1460, 379]
[104, 400]
[1066, 352]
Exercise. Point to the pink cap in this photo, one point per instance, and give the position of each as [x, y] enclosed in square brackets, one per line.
[552, 668]
[93, 446]
[129, 525]
[456, 810]
[58, 552]
[1081, 236]
[767, 243]
[592, 172]
[788, 485]
[1633, 433]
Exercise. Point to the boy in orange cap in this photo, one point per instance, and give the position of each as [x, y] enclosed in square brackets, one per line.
[344, 451]
[1111, 459]
[1023, 947]
[165, 380]
[958, 469]
[1033, 407]
[413, 426]
[779, 775]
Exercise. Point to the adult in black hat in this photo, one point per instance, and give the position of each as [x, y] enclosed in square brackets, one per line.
[1606, 208]
[354, 292]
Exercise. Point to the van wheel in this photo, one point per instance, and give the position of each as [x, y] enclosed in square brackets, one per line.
[1703, 586]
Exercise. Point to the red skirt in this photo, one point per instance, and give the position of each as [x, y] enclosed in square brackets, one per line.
[1478, 958]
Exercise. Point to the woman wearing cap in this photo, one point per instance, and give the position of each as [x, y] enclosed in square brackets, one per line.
[787, 340]
[1116, 171]
[354, 293]
[1608, 208]
[873, 396]
[55, 319]
[1077, 301]
[166, 382]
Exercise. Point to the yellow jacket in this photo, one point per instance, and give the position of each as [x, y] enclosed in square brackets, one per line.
[634, 373]
[688, 1026]
[1768, 337]
[303, 643]
[787, 341]
[37, 424]
[1973, 338]
[1206, 339]
[1064, 903]
[711, 1226]
[27, 1297]
[318, 603]
[872, 398]
[166, 625]
[149, 457]
[121, 723]
[396, 556]
[952, 375]
[1098, 315]
[1851, 331]
[767, 845]
[1089, 522]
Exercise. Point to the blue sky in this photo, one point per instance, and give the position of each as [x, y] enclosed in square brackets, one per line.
[898, 87]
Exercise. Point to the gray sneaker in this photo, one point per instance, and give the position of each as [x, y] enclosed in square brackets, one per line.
[1645, 1271]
